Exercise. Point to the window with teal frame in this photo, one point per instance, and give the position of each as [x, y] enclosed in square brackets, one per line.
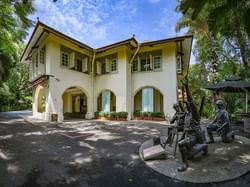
[148, 100]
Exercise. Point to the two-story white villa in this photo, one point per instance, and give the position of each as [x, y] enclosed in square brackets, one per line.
[71, 79]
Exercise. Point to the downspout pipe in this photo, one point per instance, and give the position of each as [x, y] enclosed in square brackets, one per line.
[92, 79]
[130, 77]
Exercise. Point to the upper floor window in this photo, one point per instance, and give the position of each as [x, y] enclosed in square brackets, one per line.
[157, 62]
[178, 64]
[79, 65]
[113, 65]
[64, 59]
[36, 59]
[42, 55]
[107, 64]
[145, 64]
[135, 65]
[148, 61]
[103, 68]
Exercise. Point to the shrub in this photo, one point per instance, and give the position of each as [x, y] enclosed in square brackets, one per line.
[97, 114]
[158, 114]
[208, 111]
[137, 114]
[106, 114]
[113, 114]
[101, 114]
[122, 114]
[147, 114]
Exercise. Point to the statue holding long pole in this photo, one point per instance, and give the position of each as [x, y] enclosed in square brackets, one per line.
[192, 141]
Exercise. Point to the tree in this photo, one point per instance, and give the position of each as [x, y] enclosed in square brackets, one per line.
[227, 19]
[222, 31]
[13, 28]
[15, 93]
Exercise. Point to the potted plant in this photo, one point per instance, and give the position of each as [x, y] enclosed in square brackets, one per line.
[158, 116]
[101, 115]
[138, 115]
[97, 115]
[147, 116]
[113, 116]
[122, 116]
[106, 116]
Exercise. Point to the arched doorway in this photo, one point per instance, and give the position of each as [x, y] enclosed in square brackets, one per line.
[74, 103]
[40, 99]
[148, 99]
[106, 101]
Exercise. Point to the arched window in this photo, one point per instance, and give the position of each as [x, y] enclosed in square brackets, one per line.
[148, 99]
[106, 101]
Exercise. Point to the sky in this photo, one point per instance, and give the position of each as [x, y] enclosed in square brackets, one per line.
[101, 22]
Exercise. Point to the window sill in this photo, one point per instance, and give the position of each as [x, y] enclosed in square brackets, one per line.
[151, 71]
[66, 67]
[114, 72]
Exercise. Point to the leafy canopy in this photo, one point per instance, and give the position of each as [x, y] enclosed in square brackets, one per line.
[14, 23]
[224, 20]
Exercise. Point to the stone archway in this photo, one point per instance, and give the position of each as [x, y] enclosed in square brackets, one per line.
[40, 99]
[74, 103]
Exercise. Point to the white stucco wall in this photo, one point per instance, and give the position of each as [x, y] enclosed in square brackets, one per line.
[165, 81]
[62, 79]
[35, 72]
[116, 82]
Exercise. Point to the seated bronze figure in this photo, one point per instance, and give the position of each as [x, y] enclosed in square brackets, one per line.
[220, 124]
[179, 119]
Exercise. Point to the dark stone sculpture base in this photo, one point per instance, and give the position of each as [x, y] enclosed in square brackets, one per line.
[224, 162]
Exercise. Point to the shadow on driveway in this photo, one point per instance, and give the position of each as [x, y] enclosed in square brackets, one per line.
[43, 156]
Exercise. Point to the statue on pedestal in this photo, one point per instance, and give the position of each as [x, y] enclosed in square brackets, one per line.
[192, 141]
[179, 119]
[220, 124]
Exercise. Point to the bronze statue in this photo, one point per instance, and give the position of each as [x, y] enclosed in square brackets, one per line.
[179, 119]
[220, 124]
[192, 141]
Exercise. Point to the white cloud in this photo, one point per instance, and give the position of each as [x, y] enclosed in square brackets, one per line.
[125, 8]
[101, 22]
[153, 1]
[167, 21]
[80, 19]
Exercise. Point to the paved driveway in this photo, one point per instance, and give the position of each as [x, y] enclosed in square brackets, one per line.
[78, 154]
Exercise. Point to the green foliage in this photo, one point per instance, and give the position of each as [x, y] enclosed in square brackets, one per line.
[146, 114]
[106, 114]
[235, 102]
[122, 114]
[158, 114]
[222, 31]
[208, 110]
[113, 114]
[223, 25]
[101, 114]
[137, 114]
[15, 93]
[14, 23]
[198, 77]
[43, 104]
[97, 114]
